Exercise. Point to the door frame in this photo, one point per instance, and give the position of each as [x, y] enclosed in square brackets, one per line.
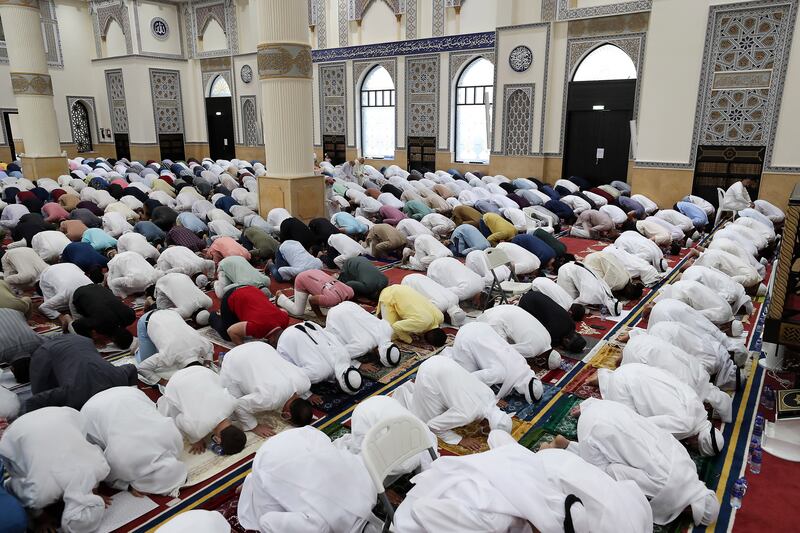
[231, 152]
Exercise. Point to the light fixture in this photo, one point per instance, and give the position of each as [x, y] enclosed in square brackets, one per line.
[219, 113]
[598, 108]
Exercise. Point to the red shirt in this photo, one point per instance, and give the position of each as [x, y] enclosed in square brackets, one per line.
[251, 305]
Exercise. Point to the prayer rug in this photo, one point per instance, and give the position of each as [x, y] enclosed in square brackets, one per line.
[560, 421]
[607, 356]
[580, 248]
[335, 401]
[534, 438]
[384, 374]
[478, 429]
[336, 430]
[591, 342]
[521, 409]
[212, 335]
[580, 388]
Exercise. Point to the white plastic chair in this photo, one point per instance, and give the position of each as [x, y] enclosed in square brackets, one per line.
[721, 206]
[537, 220]
[387, 445]
[495, 257]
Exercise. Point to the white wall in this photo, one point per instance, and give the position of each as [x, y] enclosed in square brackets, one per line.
[170, 13]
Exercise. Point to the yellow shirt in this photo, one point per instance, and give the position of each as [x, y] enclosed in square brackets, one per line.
[502, 229]
[408, 311]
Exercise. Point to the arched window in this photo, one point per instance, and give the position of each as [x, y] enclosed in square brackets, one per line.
[81, 131]
[474, 101]
[219, 87]
[378, 115]
[606, 62]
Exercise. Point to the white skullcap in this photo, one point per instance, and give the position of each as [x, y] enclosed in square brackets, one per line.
[554, 360]
[533, 390]
[705, 509]
[389, 354]
[736, 328]
[705, 442]
[201, 280]
[350, 380]
[457, 316]
[201, 318]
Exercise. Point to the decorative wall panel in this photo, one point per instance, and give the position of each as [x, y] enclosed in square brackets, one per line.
[438, 18]
[518, 119]
[103, 14]
[411, 18]
[82, 113]
[344, 23]
[318, 19]
[470, 41]
[165, 90]
[196, 17]
[52, 37]
[251, 123]
[115, 86]
[333, 99]
[565, 12]
[422, 96]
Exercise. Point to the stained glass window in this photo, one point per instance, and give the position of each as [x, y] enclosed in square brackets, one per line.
[81, 131]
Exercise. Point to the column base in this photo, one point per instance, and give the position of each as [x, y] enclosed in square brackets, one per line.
[302, 196]
[37, 167]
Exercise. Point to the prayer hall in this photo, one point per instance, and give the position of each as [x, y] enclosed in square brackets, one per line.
[410, 266]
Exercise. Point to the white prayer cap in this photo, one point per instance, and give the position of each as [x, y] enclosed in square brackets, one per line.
[201, 280]
[710, 440]
[664, 265]
[705, 509]
[722, 403]
[201, 318]
[736, 328]
[457, 316]
[499, 420]
[82, 512]
[762, 290]
[554, 360]
[389, 354]
[350, 380]
[534, 390]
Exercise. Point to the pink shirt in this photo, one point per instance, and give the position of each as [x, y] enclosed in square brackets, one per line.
[391, 215]
[225, 247]
[121, 182]
[318, 283]
[53, 212]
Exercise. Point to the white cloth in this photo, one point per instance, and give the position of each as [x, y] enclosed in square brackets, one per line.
[183, 260]
[178, 345]
[320, 355]
[586, 288]
[770, 211]
[748, 245]
[358, 330]
[720, 283]
[735, 248]
[635, 265]
[702, 203]
[195, 398]
[411, 229]
[671, 310]
[617, 215]
[439, 224]
[177, 291]
[57, 284]
[736, 197]
[524, 261]
[260, 380]
[705, 300]
[49, 245]
[296, 485]
[427, 249]
[608, 268]
[731, 265]
[642, 247]
[49, 459]
[756, 221]
[656, 230]
[452, 274]
[478, 262]
[521, 329]
[276, 216]
[649, 205]
[196, 521]
[115, 224]
[142, 446]
[552, 290]
[442, 297]
[676, 234]
[346, 246]
[136, 242]
[130, 273]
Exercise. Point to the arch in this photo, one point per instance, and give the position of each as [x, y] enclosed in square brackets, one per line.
[218, 87]
[114, 38]
[212, 36]
[81, 127]
[474, 102]
[605, 62]
[378, 103]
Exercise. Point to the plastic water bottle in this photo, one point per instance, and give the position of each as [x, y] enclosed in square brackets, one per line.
[758, 428]
[737, 493]
[216, 448]
[765, 397]
[755, 461]
[770, 400]
[754, 443]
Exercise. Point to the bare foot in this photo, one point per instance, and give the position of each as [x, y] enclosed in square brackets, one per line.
[471, 443]
[263, 431]
[502, 404]
[136, 493]
[575, 412]
[624, 337]
[561, 442]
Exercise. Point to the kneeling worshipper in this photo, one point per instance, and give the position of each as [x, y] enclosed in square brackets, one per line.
[226, 247]
[183, 260]
[723, 285]
[168, 344]
[410, 313]
[556, 320]
[316, 288]
[446, 396]
[142, 446]
[651, 350]
[373, 411]
[427, 249]
[642, 247]
[263, 244]
[262, 381]
[665, 401]
[626, 445]
[524, 262]
[586, 288]
[361, 332]
[637, 268]
[385, 241]
[320, 355]
[442, 297]
[22, 267]
[737, 197]
[521, 329]
[9, 300]
[740, 250]
[98, 311]
[740, 271]
[68, 370]
[654, 229]
[498, 228]
[466, 238]
[180, 236]
[704, 300]
[411, 229]
[178, 292]
[245, 311]
[593, 224]
[613, 272]
[235, 270]
[296, 485]
[292, 259]
[363, 277]
[196, 520]
[770, 211]
[344, 248]
[49, 244]
[17, 343]
[200, 406]
[551, 289]
[44, 470]
[453, 274]
[129, 273]
[480, 350]
[510, 488]
[87, 259]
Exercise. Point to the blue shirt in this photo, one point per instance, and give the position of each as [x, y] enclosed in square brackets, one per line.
[13, 518]
[536, 246]
[150, 231]
[349, 224]
[698, 216]
[560, 209]
[629, 205]
[466, 238]
[225, 203]
[485, 206]
[549, 191]
[192, 222]
[99, 239]
[83, 256]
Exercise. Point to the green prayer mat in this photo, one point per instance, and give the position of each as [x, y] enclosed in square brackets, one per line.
[560, 421]
[535, 438]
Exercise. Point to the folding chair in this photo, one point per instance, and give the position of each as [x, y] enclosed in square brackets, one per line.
[721, 206]
[495, 257]
[539, 220]
[389, 444]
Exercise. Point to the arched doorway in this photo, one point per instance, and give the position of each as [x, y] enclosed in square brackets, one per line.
[219, 119]
[81, 130]
[600, 105]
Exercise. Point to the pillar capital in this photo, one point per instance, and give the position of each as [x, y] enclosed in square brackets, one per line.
[284, 60]
[32, 4]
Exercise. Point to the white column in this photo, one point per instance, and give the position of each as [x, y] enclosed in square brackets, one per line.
[32, 88]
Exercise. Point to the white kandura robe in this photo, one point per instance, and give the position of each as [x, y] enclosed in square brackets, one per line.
[260, 380]
[446, 396]
[508, 486]
[411, 229]
[731, 265]
[427, 249]
[451, 273]
[552, 290]
[642, 247]
[701, 298]
[346, 246]
[748, 247]
[142, 446]
[49, 245]
[49, 459]
[656, 395]
[628, 446]
[490, 358]
[438, 224]
[358, 330]
[757, 221]
[585, 287]
[736, 197]
[178, 292]
[722, 284]
[478, 262]
[635, 265]
[610, 269]
[130, 273]
[735, 248]
[676, 218]
[58, 283]
[183, 260]
[523, 332]
[744, 233]
[195, 398]
[651, 350]
[524, 262]
[136, 242]
[320, 355]
[297, 486]
[442, 297]
[178, 344]
[197, 521]
[773, 213]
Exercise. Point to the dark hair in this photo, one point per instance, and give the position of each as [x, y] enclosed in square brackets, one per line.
[150, 291]
[628, 225]
[95, 273]
[632, 291]
[577, 311]
[38, 289]
[300, 412]
[437, 337]
[675, 248]
[122, 338]
[21, 369]
[232, 440]
[573, 342]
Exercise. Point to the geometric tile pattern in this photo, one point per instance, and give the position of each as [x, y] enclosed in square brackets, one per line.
[333, 100]
[103, 14]
[116, 101]
[411, 19]
[197, 15]
[422, 96]
[250, 122]
[81, 131]
[344, 22]
[438, 18]
[517, 119]
[165, 89]
[736, 117]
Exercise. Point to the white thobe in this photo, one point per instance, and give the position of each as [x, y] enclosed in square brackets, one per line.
[705, 300]
[770, 211]
[183, 260]
[49, 459]
[609, 269]
[387, 198]
[618, 216]
[524, 261]
[178, 345]
[136, 242]
[22, 266]
[748, 246]
[200, 209]
[671, 310]
[439, 224]
[447, 396]
[142, 446]
[656, 395]
[451, 273]
[223, 228]
[635, 265]
[49, 245]
[722, 284]
[358, 330]
[260, 380]
[442, 297]
[276, 216]
[196, 399]
[490, 358]
[297, 485]
[427, 249]
[218, 215]
[570, 186]
[521, 329]
[628, 446]
[552, 290]
[736, 248]
[743, 233]
[642, 247]
[675, 232]
[731, 265]
[598, 200]
[649, 205]
[586, 288]
[57, 284]
[178, 292]
[517, 217]
[656, 230]
[346, 246]
[412, 229]
[198, 521]
[702, 203]
[736, 197]
[578, 204]
[115, 224]
[318, 353]
[130, 273]
[756, 221]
